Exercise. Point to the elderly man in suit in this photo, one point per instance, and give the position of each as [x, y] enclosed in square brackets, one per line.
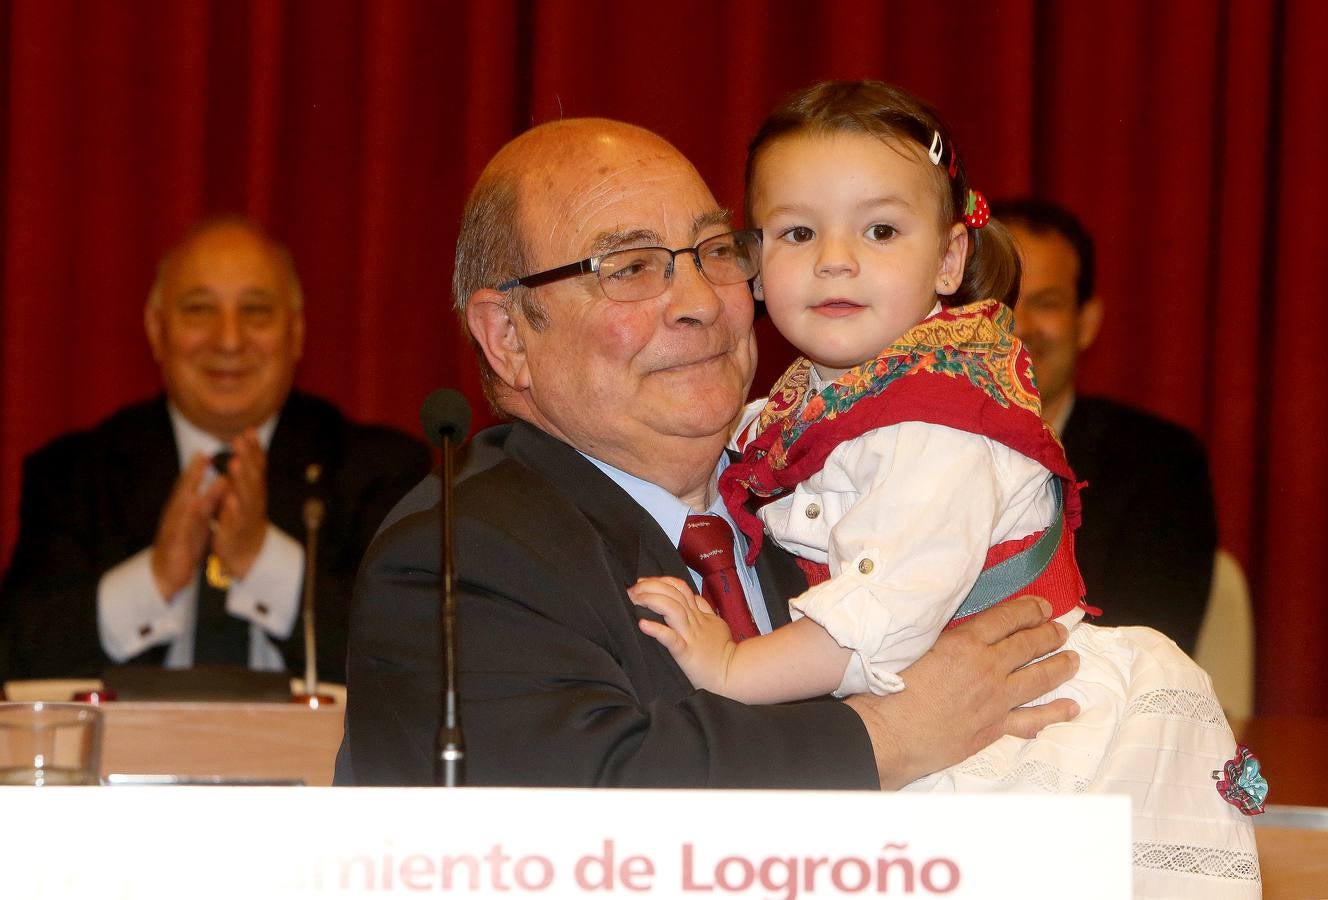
[172, 533]
[623, 389]
[1149, 534]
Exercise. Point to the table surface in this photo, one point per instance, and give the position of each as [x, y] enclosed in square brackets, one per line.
[266, 741]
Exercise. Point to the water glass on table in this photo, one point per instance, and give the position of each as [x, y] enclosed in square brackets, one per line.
[49, 744]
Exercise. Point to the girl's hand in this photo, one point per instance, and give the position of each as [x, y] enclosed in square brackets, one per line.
[698, 639]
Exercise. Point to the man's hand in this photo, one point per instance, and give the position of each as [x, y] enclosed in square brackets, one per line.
[966, 692]
[182, 533]
[698, 639]
[242, 514]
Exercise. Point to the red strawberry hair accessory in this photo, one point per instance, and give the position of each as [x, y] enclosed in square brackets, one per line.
[977, 212]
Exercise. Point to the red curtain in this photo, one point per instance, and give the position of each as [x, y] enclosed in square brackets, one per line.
[1188, 134]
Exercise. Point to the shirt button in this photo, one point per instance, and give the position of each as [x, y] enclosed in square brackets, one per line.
[865, 566]
[812, 510]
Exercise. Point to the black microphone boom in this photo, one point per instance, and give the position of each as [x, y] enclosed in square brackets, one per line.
[445, 416]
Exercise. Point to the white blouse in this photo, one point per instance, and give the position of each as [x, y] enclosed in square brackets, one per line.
[904, 516]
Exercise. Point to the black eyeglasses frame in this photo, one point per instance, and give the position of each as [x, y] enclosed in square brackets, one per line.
[590, 265]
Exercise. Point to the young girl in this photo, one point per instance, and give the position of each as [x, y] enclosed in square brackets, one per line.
[904, 460]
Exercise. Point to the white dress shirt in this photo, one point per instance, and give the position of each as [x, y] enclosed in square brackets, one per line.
[133, 616]
[671, 514]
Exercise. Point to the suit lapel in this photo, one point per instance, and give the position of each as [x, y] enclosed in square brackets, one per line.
[631, 535]
[634, 546]
[143, 466]
[1082, 438]
[1088, 443]
[298, 464]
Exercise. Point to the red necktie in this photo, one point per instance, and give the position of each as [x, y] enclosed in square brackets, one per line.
[707, 548]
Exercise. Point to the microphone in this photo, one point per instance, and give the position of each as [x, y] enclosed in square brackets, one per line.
[313, 520]
[445, 416]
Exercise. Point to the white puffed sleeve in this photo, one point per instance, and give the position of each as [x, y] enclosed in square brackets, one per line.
[904, 517]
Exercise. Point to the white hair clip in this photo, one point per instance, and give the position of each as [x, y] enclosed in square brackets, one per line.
[937, 148]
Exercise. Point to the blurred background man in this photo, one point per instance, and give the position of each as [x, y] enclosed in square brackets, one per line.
[1149, 534]
[173, 532]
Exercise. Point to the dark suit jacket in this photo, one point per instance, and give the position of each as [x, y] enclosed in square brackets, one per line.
[92, 499]
[558, 685]
[1149, 532]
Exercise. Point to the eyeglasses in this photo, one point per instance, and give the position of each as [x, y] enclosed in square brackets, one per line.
[643, 273]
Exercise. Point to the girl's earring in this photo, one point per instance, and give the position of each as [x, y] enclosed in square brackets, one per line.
[758, 290]
[945, 281]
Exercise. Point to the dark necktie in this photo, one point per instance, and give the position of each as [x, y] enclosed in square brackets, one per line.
[219, 638]
[707, 548]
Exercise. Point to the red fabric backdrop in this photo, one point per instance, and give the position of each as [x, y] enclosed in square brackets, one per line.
[1188, 134]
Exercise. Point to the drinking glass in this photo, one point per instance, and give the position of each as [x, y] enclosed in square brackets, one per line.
[49, 743]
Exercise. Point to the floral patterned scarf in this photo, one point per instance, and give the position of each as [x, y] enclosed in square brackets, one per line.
[962, 368]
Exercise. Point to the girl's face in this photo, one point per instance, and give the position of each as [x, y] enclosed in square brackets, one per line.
[854, 250]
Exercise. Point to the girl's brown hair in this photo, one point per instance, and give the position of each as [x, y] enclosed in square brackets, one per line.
[897, 117]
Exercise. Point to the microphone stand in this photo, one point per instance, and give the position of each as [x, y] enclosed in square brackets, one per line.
[313, 520]
[451, 749]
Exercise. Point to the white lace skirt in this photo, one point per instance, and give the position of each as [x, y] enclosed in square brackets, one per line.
[1150, 727]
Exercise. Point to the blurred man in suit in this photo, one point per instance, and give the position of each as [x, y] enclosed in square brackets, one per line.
[172, 533]
[1149, 534]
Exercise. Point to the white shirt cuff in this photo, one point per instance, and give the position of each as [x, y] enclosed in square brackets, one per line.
[269, 596]
[131, 614]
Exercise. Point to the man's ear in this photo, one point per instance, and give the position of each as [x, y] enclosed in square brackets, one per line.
[1090, 321]
[495, 330]
[951, 272]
